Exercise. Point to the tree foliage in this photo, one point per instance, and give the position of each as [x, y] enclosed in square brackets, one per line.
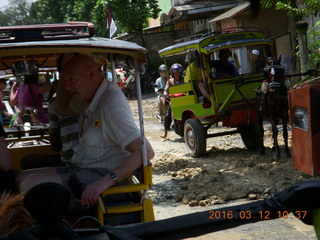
[17, 13]
[129, 15]
[314, 44]
[299, 8]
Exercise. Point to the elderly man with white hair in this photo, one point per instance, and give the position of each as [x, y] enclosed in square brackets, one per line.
[109, 149]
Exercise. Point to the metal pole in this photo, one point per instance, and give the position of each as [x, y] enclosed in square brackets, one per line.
[137, 78]
[113, 69]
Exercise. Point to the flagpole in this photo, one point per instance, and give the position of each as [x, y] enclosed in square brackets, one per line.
[111, 24]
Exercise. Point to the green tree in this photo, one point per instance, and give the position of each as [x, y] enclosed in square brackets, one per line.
[17, 13]
[314, 44]
[129, 15]
[53, 11]
[298, 9]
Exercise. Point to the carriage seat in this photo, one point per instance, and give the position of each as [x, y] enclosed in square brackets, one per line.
[139, 204]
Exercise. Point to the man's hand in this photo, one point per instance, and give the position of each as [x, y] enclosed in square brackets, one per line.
[93, 190]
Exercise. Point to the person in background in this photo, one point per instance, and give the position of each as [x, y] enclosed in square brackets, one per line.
[159, 88]
[29, 95]
[63, 130]
[3, 86]
[223, 67]
[259, 62]
[285, 60]
[110, 144]
[193, 73]
[176, 78]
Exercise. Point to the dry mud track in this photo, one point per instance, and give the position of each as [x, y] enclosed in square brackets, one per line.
[228, 174]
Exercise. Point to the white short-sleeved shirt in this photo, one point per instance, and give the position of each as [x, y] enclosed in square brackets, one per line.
[106, 128]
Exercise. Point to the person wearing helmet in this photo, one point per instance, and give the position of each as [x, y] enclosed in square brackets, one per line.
[176, 78]
[159, 88]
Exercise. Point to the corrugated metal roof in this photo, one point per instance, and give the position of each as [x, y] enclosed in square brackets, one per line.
[201, 7]
[231, 12]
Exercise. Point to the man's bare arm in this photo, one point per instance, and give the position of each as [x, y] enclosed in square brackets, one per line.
[123, 171]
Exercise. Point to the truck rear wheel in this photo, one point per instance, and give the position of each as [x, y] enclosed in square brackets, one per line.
[195, 137]
[250, 135]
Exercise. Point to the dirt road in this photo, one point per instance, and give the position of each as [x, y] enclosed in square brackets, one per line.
[228, 174]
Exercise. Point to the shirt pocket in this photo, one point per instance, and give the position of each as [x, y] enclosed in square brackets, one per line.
[92, 137]
[92, 144]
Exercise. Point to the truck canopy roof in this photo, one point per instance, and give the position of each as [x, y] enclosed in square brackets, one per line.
[208, 43]
[45, 43]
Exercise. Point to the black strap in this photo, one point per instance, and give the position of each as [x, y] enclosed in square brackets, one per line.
[22, 234]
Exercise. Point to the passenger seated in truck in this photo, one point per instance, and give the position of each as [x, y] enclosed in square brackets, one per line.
[223, 67]
[194, 74]
[109, 149]
[259, 62]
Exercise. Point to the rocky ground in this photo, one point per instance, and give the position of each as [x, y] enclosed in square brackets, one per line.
[228, 174]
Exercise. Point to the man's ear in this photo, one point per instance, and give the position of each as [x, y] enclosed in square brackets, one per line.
[90, 72]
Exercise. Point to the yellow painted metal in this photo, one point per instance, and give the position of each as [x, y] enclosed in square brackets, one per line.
[227, 101]
[196, 110]
[223, 92]
[147, 173]
[101, 210]
[210, 43]
[148, 213]
[17, 153]
[145, 206]
[125, 189]
[182, 88]
[180, 50]
[183, 101]
[316, 221]
[135, 207]
[246, 84]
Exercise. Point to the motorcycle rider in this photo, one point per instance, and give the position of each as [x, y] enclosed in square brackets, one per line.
[159, 89]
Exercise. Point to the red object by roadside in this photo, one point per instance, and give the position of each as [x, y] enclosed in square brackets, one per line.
[304, 106]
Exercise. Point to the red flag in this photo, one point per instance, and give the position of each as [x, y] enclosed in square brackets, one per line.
[111, 25]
